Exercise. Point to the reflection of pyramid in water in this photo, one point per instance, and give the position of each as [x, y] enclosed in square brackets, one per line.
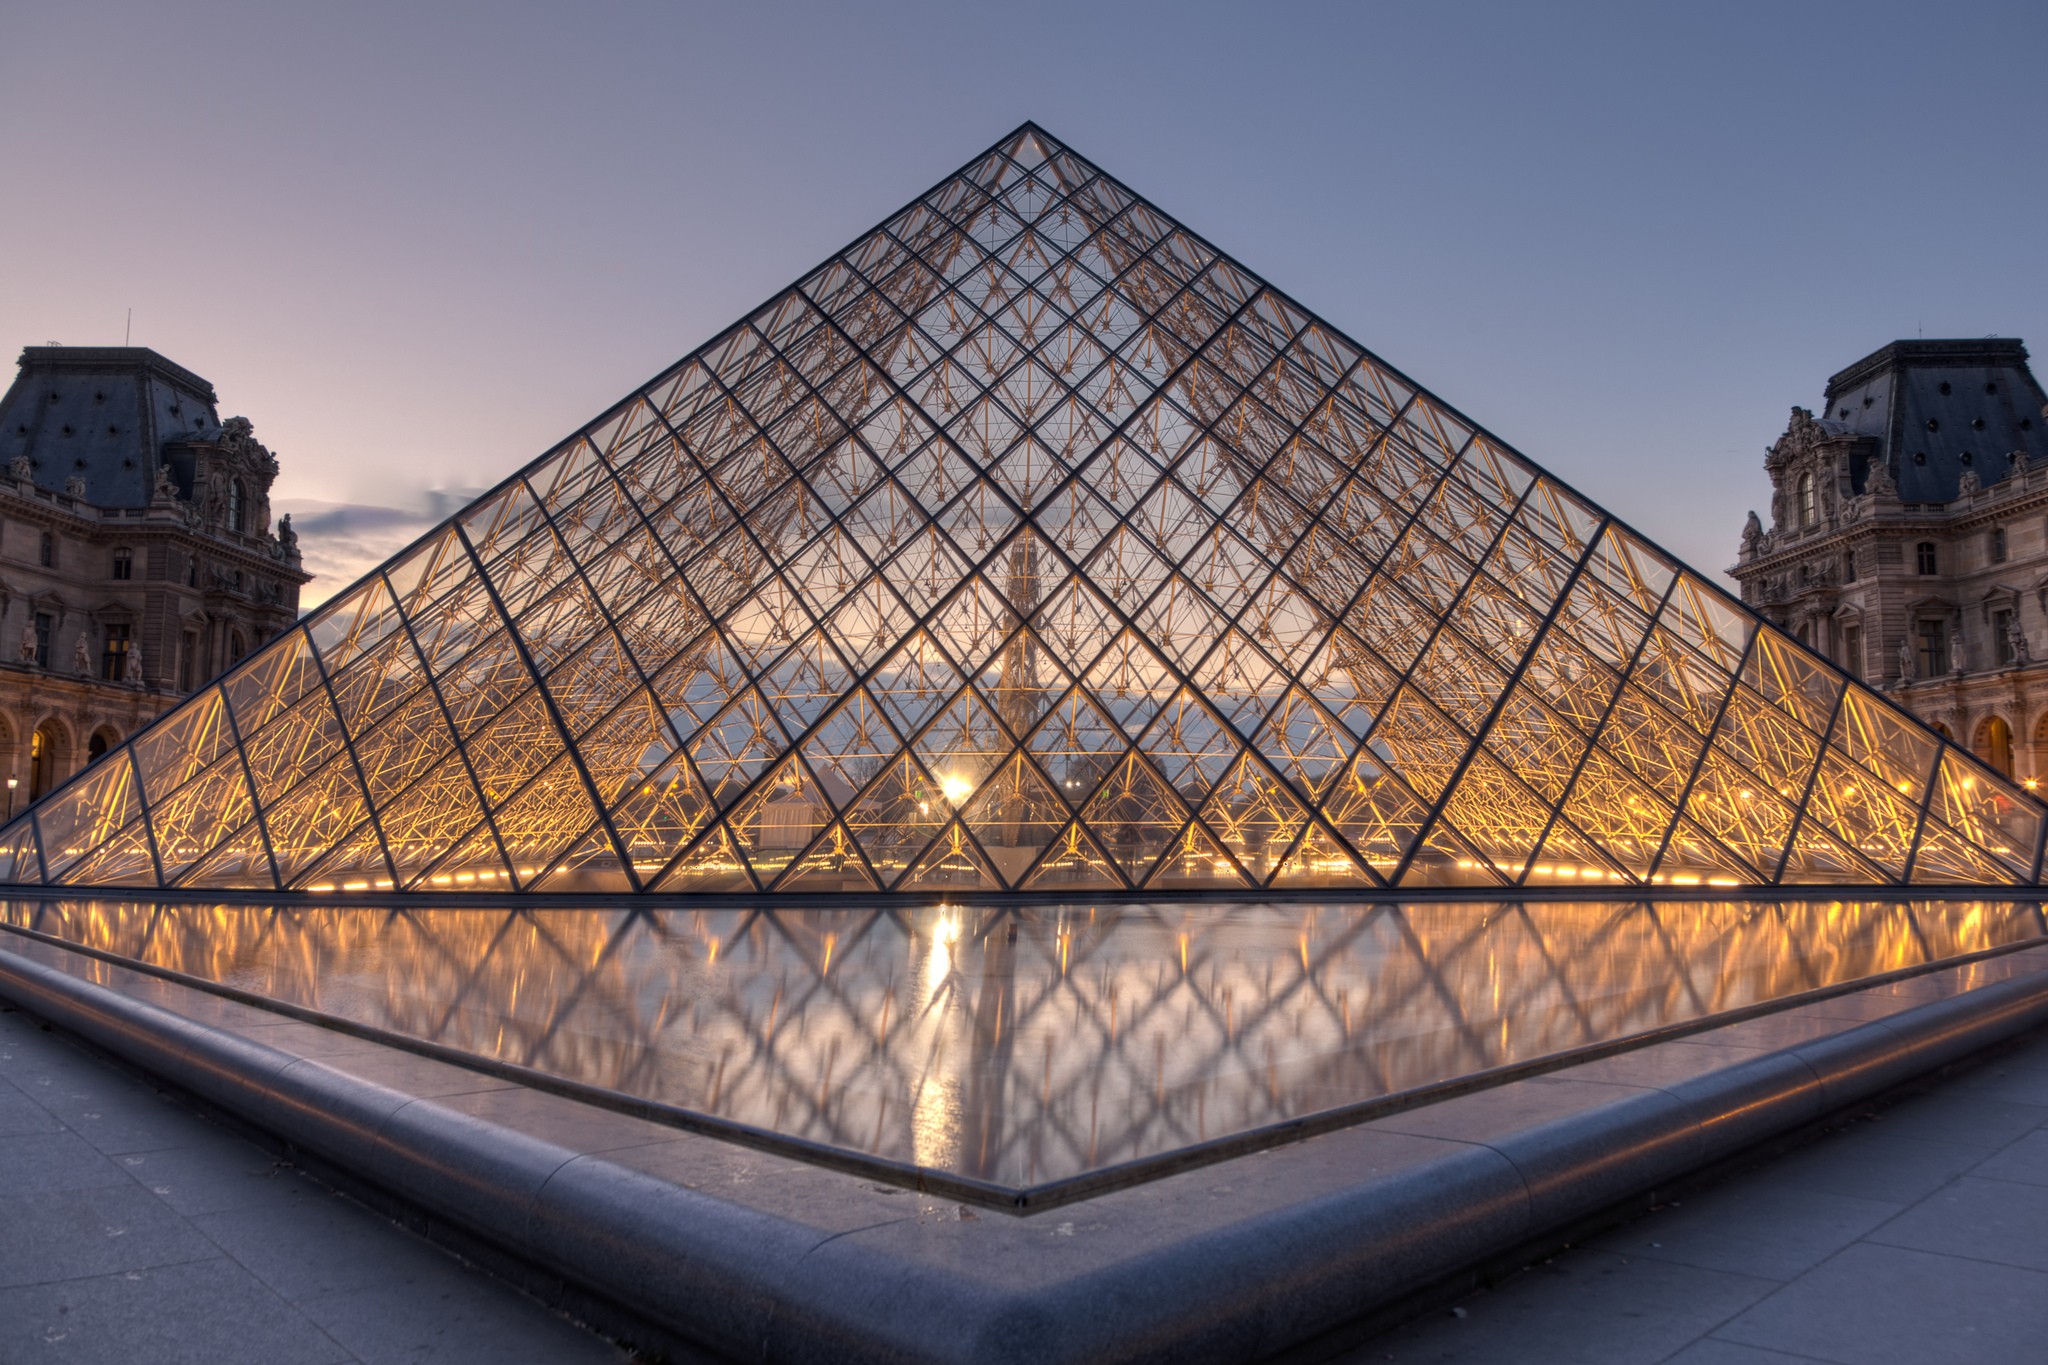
[1030, 543]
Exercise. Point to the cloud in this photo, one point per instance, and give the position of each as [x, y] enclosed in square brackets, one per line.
[340, 542]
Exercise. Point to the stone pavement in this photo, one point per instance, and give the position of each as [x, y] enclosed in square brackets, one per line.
[1916, 1236]
[131, 1229]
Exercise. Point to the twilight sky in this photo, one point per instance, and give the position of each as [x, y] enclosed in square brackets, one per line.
[419, 243]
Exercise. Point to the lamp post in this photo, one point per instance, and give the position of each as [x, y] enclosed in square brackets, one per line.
[12, 783]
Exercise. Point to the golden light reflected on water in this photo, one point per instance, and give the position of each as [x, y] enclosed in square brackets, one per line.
[1025, 1045]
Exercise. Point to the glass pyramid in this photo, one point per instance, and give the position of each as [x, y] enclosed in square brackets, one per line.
[1029, 543]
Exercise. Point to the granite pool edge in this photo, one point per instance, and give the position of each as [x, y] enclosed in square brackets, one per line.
[1334, 1228]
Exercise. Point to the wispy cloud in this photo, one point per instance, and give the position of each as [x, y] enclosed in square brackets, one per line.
[342, 541]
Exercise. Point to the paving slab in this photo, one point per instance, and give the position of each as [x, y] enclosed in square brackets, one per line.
[1915, 1234]
[1880, 1305]
[210, 1312]
[132, 1229]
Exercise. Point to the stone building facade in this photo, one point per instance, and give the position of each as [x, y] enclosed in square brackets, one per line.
[137, 558]
[1908, 539]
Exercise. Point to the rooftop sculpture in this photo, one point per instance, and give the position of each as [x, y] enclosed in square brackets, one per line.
[1030, 543]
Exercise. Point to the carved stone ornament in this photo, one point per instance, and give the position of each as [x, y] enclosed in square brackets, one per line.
[1802, 433]
[21, 467]
[1958, 649]
[166, 488]
[28, 643]
[1906, 660]
[2016, 640]
[1969, 483]
[74, 486]
[1880, 480]
[238, 438]
[131, 673]
[81, 657]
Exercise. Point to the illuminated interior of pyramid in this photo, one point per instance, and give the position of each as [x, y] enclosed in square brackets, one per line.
[1030, 543]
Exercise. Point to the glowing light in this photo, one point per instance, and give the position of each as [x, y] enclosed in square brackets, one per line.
[956, 788]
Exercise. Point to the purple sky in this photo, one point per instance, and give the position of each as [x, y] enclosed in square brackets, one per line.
[419, 243]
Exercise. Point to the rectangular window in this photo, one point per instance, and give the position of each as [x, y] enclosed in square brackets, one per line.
[124, 564]
[46, 625]
[1923, 557]
[46, 551]
[1849, 567]
[114, 655]
[1998, 545]
[2001, 635]
[1933, 648]
[1852, 650]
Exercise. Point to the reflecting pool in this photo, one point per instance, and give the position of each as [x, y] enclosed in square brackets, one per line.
[1019, 1046]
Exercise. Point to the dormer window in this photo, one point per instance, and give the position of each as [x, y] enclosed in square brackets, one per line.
[237, 506]
[1806, 503]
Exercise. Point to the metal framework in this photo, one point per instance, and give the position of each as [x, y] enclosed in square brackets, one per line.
[1030, 543]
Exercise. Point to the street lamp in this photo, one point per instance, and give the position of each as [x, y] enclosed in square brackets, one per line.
[12, 783]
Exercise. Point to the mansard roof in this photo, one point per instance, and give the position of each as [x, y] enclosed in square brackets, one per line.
[1937, 408]
[101, 413]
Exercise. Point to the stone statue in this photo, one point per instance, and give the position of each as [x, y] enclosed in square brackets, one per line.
[131, 672]
[166, 489]
[1958, 651]
[287, 538]
[28, 643]
[238, 437]
[1969, 483]
[21, 467]
[2019, 461]
[81, 656]
[1880, 481]
[74, 487]
[1752, 533]
[1906, 659]
[2016, 640]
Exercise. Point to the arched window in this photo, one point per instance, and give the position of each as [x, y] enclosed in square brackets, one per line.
[1994, 743]
[1923, 557]
[102, 740]
[236, 646]
[45, 748]
[124, 562]
[237, 505]
[1806, 507]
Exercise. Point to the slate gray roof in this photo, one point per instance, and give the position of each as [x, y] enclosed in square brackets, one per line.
[102, 413]
[1937, 408]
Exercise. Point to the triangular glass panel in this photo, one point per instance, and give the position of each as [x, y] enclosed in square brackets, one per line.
[239, 864]
[1194, 861]
[1254, 816]
[1073, 862]
[952, 863]
[1135, 815]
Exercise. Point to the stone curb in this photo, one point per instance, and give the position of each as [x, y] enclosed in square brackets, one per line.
[1329, 1230]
